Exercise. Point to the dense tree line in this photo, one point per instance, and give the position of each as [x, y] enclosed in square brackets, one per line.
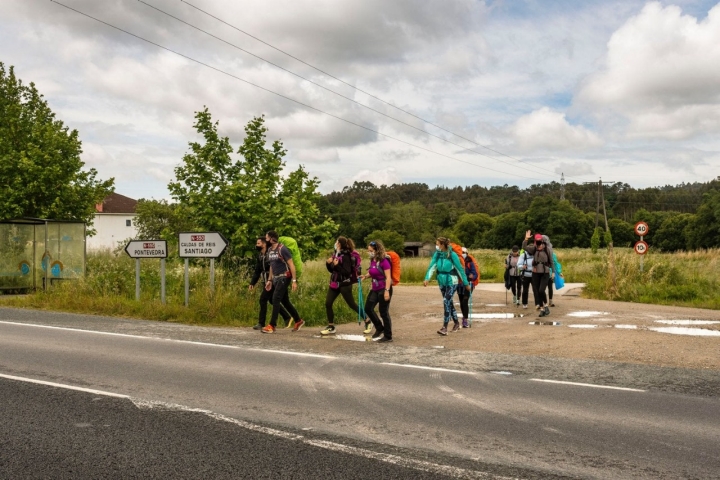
[681, 217]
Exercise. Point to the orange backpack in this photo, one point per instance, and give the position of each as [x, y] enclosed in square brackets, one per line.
[394, 267]
[458, 250]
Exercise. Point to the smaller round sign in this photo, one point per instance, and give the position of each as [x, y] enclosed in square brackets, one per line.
[641, 248]
[641, 229]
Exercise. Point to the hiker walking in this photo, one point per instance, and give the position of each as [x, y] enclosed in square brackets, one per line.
[514, 274]
[542, 265]
[464, 294]
[381, 291]
[450, 275]
[525, 261]
[282, 275]
[556, 274]
[262, 272]
[343, 274]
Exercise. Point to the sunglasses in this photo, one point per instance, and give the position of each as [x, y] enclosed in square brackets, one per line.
[373, 244]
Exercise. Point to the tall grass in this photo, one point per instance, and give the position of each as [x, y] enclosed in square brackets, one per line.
[685, 279]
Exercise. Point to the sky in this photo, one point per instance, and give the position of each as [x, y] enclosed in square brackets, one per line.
[443, 92]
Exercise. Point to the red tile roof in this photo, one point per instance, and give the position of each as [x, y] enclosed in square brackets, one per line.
[116, 203]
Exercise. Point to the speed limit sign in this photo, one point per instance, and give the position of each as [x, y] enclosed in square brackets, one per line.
[641, 248]
[641, 229]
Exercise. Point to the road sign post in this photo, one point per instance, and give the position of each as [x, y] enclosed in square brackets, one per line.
[641, 247]
[200, 245]
[139, 249]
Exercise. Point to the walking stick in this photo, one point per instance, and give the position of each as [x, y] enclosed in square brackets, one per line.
[361, 304]
[470, 308]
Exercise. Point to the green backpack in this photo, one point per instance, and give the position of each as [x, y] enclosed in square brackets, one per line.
[292, 245]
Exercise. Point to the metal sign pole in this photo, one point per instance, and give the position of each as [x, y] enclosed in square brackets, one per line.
[212, 274]
[642, 257]
[187, 281]
[162, 280]
[137, 279]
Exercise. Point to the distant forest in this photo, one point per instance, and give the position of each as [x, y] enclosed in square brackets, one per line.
[681, 217]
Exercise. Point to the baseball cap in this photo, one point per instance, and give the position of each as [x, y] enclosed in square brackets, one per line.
[538, 237]
[515, 248]
[464, 250]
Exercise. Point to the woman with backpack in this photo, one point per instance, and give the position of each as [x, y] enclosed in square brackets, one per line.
[524, 267]
[381, 291]
[450, 275]
[341, 265]
[514, 273]
[464, 295]
[542, 266]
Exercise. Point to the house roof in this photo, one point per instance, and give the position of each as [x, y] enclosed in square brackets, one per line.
[116, 203]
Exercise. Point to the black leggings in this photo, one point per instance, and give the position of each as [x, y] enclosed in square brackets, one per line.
[375, 297]
[540, 284]
[281, 299]
[464, 297]
[265, 298]
[526, 281]
[333, 293]
[516, 284]
[550, 289]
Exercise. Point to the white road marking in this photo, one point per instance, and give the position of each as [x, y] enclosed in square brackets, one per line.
[190, 342]
[421, 465]
[696, 332]
[60, 385]
[586, 385]
[427, 368]
[688, 322]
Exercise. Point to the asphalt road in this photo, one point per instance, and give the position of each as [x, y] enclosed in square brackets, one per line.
[329, 416]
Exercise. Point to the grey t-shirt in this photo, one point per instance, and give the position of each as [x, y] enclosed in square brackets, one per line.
[278, 258]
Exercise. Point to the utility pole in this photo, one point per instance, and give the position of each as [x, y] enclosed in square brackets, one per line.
[611, 254]
[562, 186]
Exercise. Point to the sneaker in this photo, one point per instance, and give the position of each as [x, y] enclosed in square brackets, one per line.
[465, 323]
[290, 323]
[377, 334]
[268, 329]
[298, 325]
[329, 330]
[552, 304]
[456, 327]
[258, 327]
[515, 300]
[525, 307]
[384, 340]
[368, 328]
[537, 307]
[547, 311]
[443, 331]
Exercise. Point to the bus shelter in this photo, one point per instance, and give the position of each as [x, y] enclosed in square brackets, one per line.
[36, 253]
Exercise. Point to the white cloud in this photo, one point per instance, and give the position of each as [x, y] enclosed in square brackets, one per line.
[661, 74]
[550, 130]
[384, 176]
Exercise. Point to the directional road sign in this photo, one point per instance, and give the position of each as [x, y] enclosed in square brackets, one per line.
[147, 249]
[641, 248]
[202, 245]
[641, 229]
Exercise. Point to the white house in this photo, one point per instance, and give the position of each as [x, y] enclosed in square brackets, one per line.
[114, 222]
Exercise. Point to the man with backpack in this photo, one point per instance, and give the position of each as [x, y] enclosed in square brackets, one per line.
[514, 274]
[343, 269]
[262, 272]
[541, 268]
[282, 275]
[524, 267]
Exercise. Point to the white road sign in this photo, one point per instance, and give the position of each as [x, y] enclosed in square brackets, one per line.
[641, 229]
[641, 248]
[147, 249]
[202, 245]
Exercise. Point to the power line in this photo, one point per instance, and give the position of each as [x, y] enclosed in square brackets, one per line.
[341, 95]
[359, 90]
[284, 96]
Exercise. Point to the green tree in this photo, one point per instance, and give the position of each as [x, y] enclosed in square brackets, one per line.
[392, 240]
[566, 225]
[704, 229]
[595, 240]
[509, 230]
[244, 198]
[623, 234]
[670, 237]
[472, 227]
[158, 219]
[41, 174]
[409, 220]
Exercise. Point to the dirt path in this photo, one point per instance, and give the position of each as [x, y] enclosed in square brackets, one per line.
[417, 315]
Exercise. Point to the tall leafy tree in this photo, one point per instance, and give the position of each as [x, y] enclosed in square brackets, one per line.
[41, 174]
[243, 198]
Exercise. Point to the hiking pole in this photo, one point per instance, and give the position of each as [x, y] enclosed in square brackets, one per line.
[361, 305]
[470, 308]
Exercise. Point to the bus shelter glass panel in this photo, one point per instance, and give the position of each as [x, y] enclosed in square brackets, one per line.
[64, 253]
[16, 256]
